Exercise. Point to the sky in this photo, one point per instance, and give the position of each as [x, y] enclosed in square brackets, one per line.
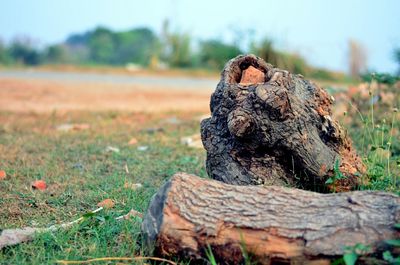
[317, 29]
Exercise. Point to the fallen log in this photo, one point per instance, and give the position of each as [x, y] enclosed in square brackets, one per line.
[273, 224]
[269, 126]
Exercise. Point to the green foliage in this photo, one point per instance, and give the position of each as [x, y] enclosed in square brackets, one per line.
[265, 49]
[108, 47]
[56, 54]
[381, 78]
[102, 46]
[289, 61]
[137, 45]
[387, 255]
[215, 53]
[321, 74]
[350, 258]
[4, 55]
[141, 46]
[78, 39]
[338, 175]
[210, 256]
[293, 62]
[23, 52]
[393, 242]
[179, 54]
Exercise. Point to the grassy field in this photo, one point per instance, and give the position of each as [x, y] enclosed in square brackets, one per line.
[81, 171]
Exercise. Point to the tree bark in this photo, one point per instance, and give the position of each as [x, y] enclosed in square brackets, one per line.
[269, 126]
[273, 224]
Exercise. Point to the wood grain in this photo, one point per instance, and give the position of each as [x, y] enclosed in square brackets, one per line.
[272, 223]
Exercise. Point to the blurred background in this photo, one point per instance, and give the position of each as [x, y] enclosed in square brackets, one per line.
[182, 45]
[321, 39]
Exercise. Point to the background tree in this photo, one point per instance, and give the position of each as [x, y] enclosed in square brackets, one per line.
[289, 61]
[23, 51]
[175, 48]
[137, 45]
[101, 46]
[179, 50]
[265, 49]
[77, 47]
[215, 53]
[4, 55]
[293, 62]
[57, 54]
[143, 47]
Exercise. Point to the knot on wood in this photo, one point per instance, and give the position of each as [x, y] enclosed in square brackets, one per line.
[240, 123]
[275, 99]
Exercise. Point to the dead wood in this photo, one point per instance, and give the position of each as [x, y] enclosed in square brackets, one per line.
[273, 224]
[269, 126]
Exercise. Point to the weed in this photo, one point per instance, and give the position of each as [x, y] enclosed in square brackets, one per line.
[374, 128]
[210, 256]
[338, 175]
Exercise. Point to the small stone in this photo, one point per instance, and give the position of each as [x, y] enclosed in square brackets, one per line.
[142, 148]
[193, 141]
[107, 203]
[78, 166]
[133, 141]
[112, 149]
[39, 185]
[75, 127]
[3, 175]
[251, 76]
[132, 186]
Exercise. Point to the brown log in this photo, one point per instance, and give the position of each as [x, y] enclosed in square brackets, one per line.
[269, 126]
[272, 224]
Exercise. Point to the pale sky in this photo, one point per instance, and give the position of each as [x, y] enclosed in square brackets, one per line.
[317, 29]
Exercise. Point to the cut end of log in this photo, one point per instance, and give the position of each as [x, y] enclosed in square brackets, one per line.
[251, 76]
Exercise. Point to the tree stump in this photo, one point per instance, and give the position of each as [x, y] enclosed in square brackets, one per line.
[269, 126]
[273, 225]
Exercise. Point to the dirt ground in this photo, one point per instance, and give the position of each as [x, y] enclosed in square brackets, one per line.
[41, 96]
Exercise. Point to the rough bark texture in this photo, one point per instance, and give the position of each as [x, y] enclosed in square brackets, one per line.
[278, 131]
[274, 224]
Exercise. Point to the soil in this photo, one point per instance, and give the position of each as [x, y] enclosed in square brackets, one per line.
[41, 96]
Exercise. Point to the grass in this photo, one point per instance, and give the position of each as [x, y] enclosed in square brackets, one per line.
[80, 173]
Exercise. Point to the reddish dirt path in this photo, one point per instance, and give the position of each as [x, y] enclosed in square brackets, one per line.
[23, 95]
